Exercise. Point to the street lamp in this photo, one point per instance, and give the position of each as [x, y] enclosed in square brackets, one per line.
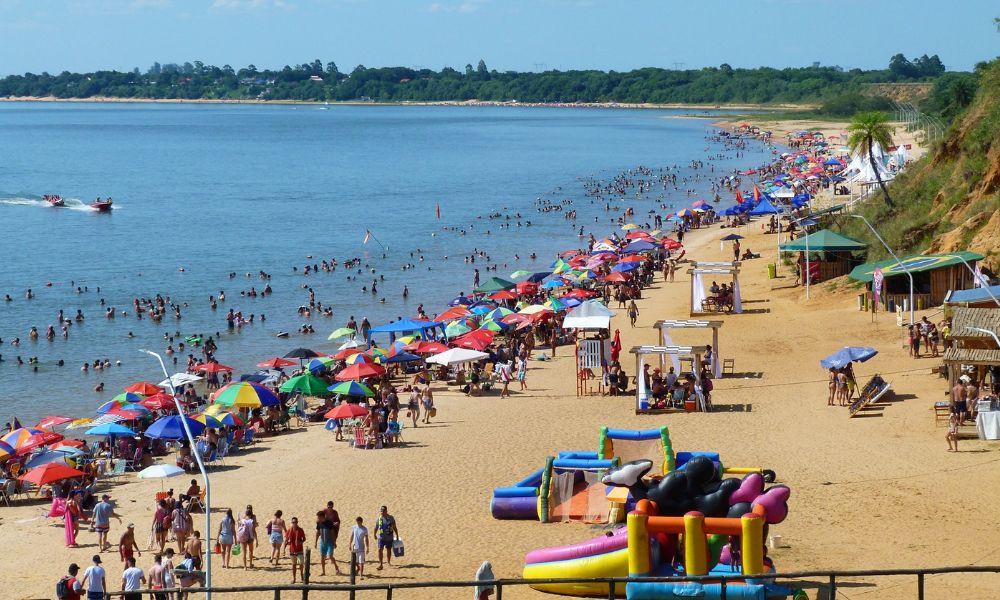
[975, 277]
[980, 329]
[899, 262]
[806, 238]
[201, 467]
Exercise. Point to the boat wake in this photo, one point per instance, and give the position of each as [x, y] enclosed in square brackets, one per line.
[68, 203]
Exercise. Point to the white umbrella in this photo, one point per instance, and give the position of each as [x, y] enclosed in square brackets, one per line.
[457, 356]
[160, 472]
[178, 379]
[352, 344]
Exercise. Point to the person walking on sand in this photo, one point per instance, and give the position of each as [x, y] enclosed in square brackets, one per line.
[180, 524]
[427, 399]
[127, 548]
[633, 312]
[194, 548]
[413, 405]
[326, 541]
[522, 372]
[161, 525]
[132, 580]
[246, 534]
[95, 580]
[832, 385]
[226, 537]
[295, 539]
[386, 533]
[276, 531]
[156, 579]
[102, 513]
[952, 435]
[73, 587]
[359, 545]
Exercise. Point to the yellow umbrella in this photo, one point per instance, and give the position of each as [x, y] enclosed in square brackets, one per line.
[534, 308]
[630, 226]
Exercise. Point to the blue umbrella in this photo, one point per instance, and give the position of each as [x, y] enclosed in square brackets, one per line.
[107, 429]
[571, 302]
[553, 284]
[44, 458]
[538, 277]
[639, 246]
[171, 428]
[731, 237]
[460, 300]
[846, 355]
[402, 357]
[624, 267]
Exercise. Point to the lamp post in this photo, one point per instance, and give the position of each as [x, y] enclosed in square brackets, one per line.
[899, 262]
[987, 331]
[975, 277]
[201, 468]
[806, 238]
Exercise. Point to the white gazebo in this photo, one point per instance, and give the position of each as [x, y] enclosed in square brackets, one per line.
[700, 303]
[644, 354]
[666, 340]
[594, 353]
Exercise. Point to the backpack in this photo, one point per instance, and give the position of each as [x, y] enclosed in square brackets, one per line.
[62, 588]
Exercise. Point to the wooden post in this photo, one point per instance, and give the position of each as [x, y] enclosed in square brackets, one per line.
[305, 572]
[354, 573]
[277, 594]
[716, 369]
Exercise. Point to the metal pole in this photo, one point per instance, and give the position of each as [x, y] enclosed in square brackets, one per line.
[920, 586]
[995, 338]
[899, 262]
[975, 277]
[201, 467]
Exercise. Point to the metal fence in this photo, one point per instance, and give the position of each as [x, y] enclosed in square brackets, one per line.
[824, 582]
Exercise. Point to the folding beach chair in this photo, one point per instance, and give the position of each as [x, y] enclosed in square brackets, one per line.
[361, 440]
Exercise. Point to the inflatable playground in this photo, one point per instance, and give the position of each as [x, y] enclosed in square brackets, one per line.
[571, 486]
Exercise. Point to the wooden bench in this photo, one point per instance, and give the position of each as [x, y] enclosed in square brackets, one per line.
[942, 412]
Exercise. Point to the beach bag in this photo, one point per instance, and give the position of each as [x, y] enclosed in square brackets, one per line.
[242, 533]
[218, 548]
[432, 412]
[62, 588]
[397, 548]
[237, 549]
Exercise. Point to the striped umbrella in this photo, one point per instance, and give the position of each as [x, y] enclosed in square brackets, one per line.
[351, 388]
[318, 365]
[25, 439]
[307, 384]
[245, 394]
[6, 452]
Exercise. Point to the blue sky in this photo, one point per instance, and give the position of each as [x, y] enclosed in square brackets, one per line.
[84, 35]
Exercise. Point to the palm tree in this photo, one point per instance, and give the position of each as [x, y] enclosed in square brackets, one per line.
[866, 130]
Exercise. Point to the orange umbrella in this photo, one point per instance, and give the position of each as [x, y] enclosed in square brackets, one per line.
[346, 353]
[212, 367]
[346, 410]
[49, 473]
[144, 388]
[276, 363]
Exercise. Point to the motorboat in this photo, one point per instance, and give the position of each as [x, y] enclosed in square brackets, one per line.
[101, 205]
[54, 200]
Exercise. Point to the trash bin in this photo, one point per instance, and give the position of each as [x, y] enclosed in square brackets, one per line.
[772, 270]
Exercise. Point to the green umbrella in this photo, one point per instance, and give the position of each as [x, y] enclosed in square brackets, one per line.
[519, 273]
[494, 284]
[456, 328]
[307, 384]
[352, 388]
[341, 332]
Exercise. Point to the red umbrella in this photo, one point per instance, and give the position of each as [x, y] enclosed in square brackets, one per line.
[632, 258]
[346, 410]
[70, 443]
[360, 371]
[49, 473]
[581, 293]
[616, 346]
[503, 295]
[474, 340]
[456, 312]
[515, 318]
[346, 353]
[639, 235]
[526, 287]
[160, 401]
[143, 388]
[212, 367]
[425, 347]
[670, 244]
[618, 277]
[566, 253]
[276, 363]
[53, 420]
[37, 441]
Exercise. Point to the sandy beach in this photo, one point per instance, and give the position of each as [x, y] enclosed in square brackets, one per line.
[874, 492]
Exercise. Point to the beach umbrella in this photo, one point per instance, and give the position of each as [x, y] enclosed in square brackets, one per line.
[731, 237]
[48, 457]
[630, 226]
[401, 357]
[846, 355]
[213, 367]
[6, 452]
[352, 344]
[633, 258]
[53, 421]
[130, 411]
[178, 379]
[346, 353]
[519, 273]
[670, 244]
[526, 287]
[341, 332]
[553, 284]
[160, 471]
[360, 357]
[457, 312]
[143, 388]
[460, 301]
[498, 313]
[476, 340]
[494, 284]
[457, 356]
[25, 439]
[351, 388]
[207, 420]
[360, 371]
[69, 447]
[503, 295]
[534, 308]
[481, 309]
[172, 428]
[624, 267]
[494, 326]
[50, 473]
[276, 363]
[346, 410]
[107, 429]
[161, 401]
[425, 347]
[618, 277]
[230, 419]
[580, 293]
[309, 385]
[640, 246]
[301, 353]
[318, 365]
[554, 305]
[457, 328]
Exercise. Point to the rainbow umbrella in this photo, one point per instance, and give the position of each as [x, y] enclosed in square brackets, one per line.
[498, 313]
[245, 394]
[554, 305]
[408, 339]
[457, 328]
[207, 420]
[351, 388]
[230, 419]
[6, 451]
[494, 326]
[318, 365]
[359, 358]
[309, 385]
[120, 401]
[25, 439]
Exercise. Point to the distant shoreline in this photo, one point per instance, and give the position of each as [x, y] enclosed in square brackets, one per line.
[510, 104]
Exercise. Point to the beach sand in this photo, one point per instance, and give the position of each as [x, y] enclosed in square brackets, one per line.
[874, 492]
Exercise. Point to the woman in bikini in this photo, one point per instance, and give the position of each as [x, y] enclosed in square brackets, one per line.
[413, 406]
[427, 398]
[276, 531]
[833, 386]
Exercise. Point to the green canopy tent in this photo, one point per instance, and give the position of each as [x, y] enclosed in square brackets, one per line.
[494, 284]
[838, 246]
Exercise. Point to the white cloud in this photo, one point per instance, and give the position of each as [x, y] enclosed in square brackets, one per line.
[250, 4]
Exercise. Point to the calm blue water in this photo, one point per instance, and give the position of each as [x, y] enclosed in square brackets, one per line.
[227, 188]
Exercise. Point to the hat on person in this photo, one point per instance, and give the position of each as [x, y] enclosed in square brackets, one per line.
[964, 379]
[97, 558]
[131, 525]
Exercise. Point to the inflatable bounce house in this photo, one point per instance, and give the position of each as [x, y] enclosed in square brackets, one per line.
[572, 486]
[689, 522]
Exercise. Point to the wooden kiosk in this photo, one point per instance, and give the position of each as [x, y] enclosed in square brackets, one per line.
[666, 325]
[702, 303]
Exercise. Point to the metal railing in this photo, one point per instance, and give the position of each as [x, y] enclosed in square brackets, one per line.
[815, 579]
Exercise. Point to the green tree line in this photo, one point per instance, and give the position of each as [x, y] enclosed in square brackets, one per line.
[317, 81]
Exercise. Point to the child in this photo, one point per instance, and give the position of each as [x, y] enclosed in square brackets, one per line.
[952, 435]
[359, 544]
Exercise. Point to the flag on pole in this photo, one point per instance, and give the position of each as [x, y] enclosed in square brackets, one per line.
[739, 197]
[439, 211]
[16, 424]
[877, 279]
[368, 236]
[981, 280]
[756, 194]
